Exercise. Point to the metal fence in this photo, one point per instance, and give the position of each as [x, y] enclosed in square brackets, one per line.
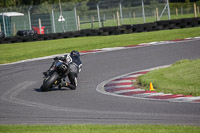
[51, 18]
[119, 12]
[65, 17]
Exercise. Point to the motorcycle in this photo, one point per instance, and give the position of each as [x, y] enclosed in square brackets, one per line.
[55, 76]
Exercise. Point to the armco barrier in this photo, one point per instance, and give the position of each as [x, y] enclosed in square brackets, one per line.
[105, 31]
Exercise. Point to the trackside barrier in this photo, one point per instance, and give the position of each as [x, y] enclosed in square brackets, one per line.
[105, 31]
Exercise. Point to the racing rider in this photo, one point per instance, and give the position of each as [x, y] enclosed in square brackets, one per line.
[74, 63]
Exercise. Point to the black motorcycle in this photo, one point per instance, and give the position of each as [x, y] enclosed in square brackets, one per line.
[55, 76]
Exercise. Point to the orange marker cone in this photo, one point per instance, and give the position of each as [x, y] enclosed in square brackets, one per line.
[151, 87]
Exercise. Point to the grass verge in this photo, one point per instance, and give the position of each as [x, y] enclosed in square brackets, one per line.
[180, 78]
[98, 129]
[21, 51]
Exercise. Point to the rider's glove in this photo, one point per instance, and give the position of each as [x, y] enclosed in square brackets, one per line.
[60, 58]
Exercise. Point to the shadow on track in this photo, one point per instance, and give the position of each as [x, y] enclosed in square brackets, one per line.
[53, 89]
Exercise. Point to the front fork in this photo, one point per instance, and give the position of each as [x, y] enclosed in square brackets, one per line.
[59, 81]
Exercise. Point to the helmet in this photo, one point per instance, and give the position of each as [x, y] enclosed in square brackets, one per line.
[74, 54]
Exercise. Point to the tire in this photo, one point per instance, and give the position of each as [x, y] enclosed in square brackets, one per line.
[73, 80]
[105, 34]
[108, 29]
[128, 31]
[118, 32]
[7, 40]
[66, 35]
[171, 26]
[85, 32]
[1, 41]
[14, 39]
[60, 35]
[2, 35]
[49, 82]
[46, 37]
[55, 36]
[163, 22]
[40, 37]
[25, 38]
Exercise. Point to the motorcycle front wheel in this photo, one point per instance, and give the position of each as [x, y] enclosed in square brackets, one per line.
[49, 82]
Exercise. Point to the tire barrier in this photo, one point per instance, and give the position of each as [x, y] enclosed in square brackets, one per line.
[26, 33]
[30, 35]
[2, 35]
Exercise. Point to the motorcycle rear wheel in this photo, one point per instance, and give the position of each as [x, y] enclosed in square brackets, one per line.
[49, 82]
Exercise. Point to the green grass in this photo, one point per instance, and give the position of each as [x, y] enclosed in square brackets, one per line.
[98, 129]
[183, 77]
[21, 51]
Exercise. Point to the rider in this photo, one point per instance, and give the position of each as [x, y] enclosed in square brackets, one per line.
[75, 65]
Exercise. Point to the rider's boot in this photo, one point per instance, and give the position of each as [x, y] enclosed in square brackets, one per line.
[68, 85]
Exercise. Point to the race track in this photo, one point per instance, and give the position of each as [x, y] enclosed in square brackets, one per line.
[21, 101]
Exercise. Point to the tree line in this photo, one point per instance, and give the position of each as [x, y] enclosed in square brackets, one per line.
[7, 3]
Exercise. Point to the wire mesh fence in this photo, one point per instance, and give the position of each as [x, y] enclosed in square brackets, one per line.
[63, 17]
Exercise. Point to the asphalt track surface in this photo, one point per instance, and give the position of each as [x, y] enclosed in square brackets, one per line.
[21, 101]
